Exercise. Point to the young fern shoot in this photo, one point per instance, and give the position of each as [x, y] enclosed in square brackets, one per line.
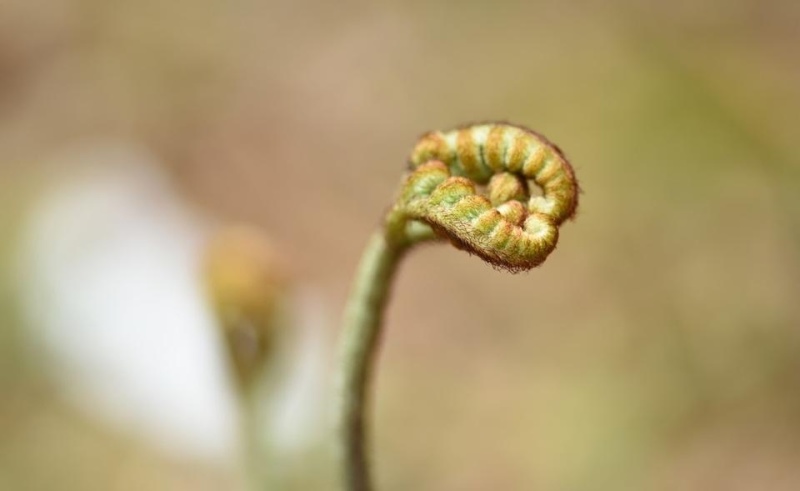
[248, 289]
[471, 186]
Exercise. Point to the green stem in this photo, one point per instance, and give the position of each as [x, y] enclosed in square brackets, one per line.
[360, 338]
[252, 444]
[262, 465]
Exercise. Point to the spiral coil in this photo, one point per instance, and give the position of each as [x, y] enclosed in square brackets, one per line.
[472, 185]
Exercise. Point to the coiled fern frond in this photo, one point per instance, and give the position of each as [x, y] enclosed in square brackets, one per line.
[471, 186]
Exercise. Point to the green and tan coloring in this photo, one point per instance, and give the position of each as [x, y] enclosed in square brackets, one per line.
[471, 186]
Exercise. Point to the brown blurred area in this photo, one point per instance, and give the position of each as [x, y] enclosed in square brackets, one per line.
[657, 349]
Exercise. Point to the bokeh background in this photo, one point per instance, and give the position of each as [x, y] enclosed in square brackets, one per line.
[657, 349]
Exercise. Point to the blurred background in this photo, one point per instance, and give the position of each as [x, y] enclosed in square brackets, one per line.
[657, 349]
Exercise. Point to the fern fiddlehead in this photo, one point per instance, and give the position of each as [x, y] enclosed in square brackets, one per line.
[471, 186]
[248, 289]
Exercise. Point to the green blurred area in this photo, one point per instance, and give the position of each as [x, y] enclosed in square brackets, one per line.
[658, 348]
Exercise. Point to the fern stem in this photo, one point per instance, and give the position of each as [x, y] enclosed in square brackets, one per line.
[360, 340]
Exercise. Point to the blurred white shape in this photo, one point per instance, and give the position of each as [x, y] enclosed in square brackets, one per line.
[297, 407]
[109, 274]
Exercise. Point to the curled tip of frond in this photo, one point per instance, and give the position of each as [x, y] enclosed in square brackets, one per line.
[502, 223]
